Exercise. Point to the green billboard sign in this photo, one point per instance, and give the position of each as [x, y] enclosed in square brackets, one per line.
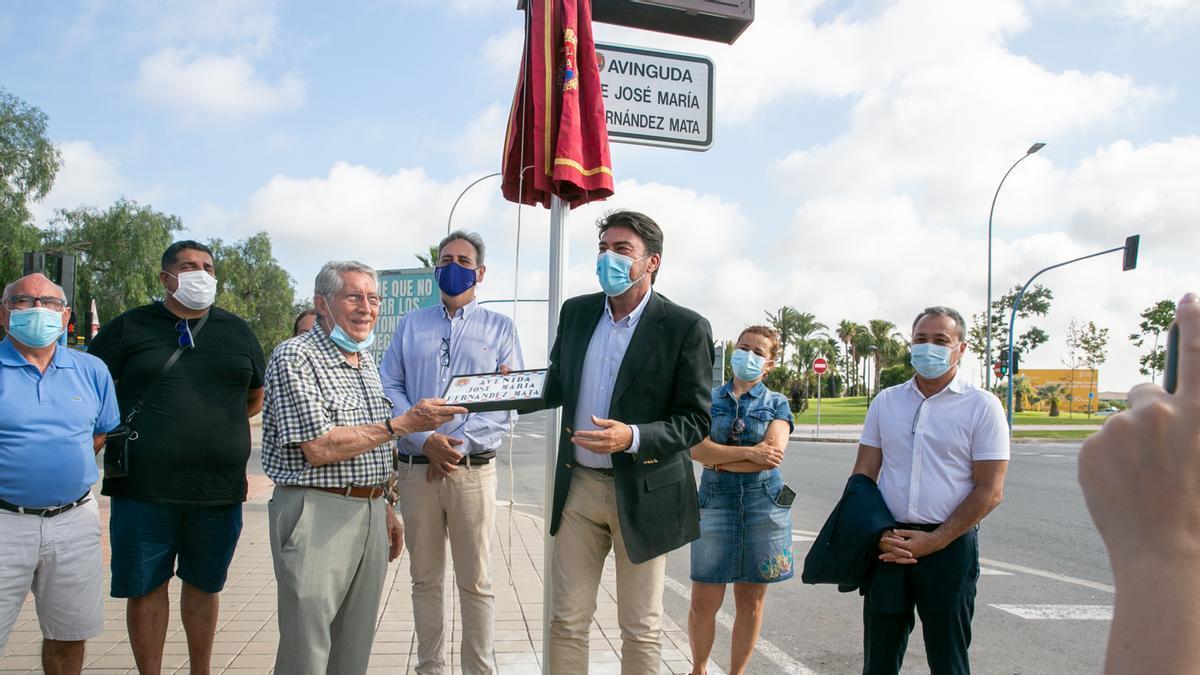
[400, 292]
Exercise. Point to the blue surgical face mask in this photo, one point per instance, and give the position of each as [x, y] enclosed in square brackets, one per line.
[747, 366]
[35, 327]
[342, 339]
[454, 279]
[930, 361]
[613, 271]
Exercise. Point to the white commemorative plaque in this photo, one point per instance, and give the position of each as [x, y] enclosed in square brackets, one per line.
[520, 390]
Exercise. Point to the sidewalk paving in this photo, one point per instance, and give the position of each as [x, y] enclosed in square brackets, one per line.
[247, 634]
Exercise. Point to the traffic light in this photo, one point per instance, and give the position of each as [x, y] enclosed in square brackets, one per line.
[1002, 363]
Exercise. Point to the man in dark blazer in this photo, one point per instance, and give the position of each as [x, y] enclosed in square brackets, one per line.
[633, 374]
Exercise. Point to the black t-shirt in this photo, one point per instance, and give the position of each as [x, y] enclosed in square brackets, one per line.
[193, 436]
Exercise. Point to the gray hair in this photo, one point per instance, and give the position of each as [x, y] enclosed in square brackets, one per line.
[941, 310]
[471, 238]
[329, 279]
[8, 289]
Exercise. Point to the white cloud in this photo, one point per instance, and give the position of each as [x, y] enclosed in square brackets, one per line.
[501, 54]
[249, 25]
[202, 85]
[477, 146]
[87, 177]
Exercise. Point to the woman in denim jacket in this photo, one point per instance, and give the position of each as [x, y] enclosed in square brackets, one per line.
[745, 509]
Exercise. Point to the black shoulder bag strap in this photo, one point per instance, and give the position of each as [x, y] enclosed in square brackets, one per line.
[137, 407]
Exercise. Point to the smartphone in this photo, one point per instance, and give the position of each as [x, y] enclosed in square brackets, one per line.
[786, 496]
[1171, 372]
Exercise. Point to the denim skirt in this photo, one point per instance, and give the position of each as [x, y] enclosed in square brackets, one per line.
[745, 536]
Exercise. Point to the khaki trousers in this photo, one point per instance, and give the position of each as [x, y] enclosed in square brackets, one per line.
[589, 528]
[460, 508]
[331, 557]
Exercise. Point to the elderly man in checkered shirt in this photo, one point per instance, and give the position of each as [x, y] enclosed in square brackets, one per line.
[328, 435]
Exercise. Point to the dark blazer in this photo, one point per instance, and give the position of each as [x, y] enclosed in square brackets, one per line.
[664, 386]
[846, 549]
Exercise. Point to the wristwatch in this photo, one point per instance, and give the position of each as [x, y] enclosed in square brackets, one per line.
[388, 423]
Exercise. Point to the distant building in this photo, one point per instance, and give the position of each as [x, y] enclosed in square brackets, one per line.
[1078, 384]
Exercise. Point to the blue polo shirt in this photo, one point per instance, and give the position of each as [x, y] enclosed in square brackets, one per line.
[49, 419]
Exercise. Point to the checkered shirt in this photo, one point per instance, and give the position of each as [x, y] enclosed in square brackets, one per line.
[310, 388]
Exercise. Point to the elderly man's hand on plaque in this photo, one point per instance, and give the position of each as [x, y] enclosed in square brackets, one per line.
[427, 415]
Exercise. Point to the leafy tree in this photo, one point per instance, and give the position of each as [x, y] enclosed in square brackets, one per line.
[1074, 359]
[1094, 343]
[256, 288]
[118, 253]
[1156, 319]
[1035, 302]
[895, 374]
[28, 164]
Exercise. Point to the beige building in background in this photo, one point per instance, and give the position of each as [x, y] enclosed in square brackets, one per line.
[1078, 383]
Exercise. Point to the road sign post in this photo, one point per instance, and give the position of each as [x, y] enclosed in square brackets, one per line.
[819, 366]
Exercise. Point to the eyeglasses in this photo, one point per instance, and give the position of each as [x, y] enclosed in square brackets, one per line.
[185, 334]
[445, 352]
[27, 301]
[359, 298]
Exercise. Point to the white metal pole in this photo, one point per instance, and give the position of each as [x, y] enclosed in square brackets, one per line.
[818, 405]
[558, 292]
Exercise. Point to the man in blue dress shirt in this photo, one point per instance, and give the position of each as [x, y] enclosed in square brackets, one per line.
[58, 405]
[448, 477]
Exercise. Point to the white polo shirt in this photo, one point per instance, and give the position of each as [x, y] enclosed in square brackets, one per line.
[929, 445]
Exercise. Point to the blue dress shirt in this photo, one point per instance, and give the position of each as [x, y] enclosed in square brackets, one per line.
[478, 341]
[600, 367]
[46, 453]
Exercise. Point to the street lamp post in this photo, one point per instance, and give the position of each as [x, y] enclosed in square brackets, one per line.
[1130, 262]
[988, 311]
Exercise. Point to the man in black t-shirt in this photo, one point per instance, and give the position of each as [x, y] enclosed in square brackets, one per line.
[182, 498]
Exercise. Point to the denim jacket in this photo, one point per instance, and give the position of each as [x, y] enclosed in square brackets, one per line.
[757, 408]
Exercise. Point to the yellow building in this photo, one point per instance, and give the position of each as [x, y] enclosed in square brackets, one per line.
[1077, 383]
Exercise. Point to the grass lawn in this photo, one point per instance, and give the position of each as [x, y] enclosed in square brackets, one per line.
[1055, 434]
[1034, 417]
[853, 410]
[847, 410]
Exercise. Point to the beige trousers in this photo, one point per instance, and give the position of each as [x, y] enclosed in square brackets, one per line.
[589, 528]
[460, 508]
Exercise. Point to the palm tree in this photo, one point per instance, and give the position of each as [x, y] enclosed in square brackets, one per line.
[846, 331]
[1052, 394]
[1022, 391]
[862, 344]
[786, 322]
[888, 344]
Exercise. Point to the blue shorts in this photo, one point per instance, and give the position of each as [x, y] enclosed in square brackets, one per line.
[745, 536]
[147, 538]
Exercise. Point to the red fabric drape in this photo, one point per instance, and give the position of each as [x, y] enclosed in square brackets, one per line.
[557, 119]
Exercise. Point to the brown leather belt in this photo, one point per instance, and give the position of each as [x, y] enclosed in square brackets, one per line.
[359, 491]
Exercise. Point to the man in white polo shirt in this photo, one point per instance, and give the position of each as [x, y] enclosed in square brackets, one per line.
[938, 447]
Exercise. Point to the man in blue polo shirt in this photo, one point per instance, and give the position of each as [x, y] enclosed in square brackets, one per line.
[58, 404]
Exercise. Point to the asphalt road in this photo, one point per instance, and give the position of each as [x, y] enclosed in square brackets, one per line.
[1044, 596]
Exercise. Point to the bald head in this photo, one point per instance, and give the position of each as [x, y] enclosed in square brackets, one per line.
[36, 284]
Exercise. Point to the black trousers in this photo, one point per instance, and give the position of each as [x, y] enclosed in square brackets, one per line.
[941, 586]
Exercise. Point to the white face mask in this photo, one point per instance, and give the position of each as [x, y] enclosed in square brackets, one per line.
[197, 289]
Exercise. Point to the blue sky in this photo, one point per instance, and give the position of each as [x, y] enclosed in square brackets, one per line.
[857, 146]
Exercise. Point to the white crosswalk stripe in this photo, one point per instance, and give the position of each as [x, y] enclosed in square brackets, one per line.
[1059, 612]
